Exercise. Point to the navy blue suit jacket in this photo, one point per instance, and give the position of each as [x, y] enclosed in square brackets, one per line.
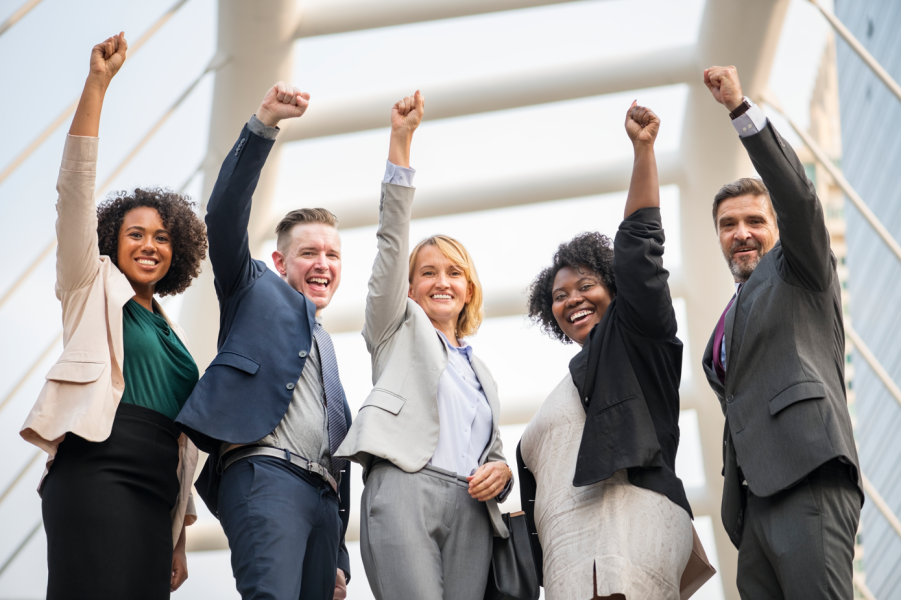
[265, 333]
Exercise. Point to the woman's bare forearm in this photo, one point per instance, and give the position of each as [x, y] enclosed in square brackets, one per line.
[87, 116]
[107, 58]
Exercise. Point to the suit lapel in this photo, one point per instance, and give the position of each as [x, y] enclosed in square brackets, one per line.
[730, 326]
[707, 364]
[118, 293]
[490, 389]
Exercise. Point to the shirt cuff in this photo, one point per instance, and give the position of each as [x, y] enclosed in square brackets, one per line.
[506, 491]
[259, 128]
[398, 175]
[753, 121]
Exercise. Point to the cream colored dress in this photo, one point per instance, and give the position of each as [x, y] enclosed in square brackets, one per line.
[638, 540]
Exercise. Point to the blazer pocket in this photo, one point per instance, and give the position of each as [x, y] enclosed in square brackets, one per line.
[76, 372]
[385, 400]
[242, 363]
[805, 390]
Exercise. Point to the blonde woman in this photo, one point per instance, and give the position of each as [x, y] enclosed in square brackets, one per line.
[427, 435]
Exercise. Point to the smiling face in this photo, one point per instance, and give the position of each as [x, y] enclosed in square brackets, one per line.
[144, 249]
[747, 230]
[311, 263]
[579, 301]
[439, 286]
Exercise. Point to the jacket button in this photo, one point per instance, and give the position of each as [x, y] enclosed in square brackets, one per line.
[302, 354]
[730, 398]
[290, 386]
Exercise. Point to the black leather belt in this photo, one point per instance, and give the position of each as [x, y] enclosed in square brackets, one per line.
[237, 454]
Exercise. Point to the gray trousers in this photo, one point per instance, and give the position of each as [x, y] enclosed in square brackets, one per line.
[422, 536]
[799, 544]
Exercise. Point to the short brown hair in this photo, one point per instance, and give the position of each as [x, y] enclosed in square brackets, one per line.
[470, 318]
[746, 186]
[299, 217]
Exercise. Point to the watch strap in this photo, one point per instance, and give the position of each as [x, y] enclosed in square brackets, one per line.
[742, 109]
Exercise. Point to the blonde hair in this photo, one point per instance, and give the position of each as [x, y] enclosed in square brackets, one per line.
[471, 316]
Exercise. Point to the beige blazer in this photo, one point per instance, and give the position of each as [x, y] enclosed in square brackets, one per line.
[399, 419]
[84, 387]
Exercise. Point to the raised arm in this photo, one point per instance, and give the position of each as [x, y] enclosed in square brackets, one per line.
[389, 283]
[228, 211]
[799, 213]
[641, 281]
[642, 126]
[77, 253]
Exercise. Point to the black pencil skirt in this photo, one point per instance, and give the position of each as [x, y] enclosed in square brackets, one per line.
[107, 507]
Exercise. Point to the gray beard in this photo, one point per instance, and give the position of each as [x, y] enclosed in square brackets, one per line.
[742, 271]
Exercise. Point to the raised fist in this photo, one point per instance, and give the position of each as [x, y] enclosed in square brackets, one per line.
[282, 101]
[406, 114]
[723, 83]
[108, 56]
[641, 124]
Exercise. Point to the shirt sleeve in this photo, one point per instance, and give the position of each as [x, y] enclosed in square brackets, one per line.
[398, 175]
[259, 128]
[751, 122]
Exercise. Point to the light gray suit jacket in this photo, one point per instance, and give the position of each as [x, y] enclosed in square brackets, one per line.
[399, 420]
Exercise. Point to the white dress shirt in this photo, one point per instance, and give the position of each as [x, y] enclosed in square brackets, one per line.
[464, 414]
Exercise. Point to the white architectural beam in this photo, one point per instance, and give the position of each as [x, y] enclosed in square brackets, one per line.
[325, 17]
[515, 89]
[521, 189]
[259, 38]
[497, 303]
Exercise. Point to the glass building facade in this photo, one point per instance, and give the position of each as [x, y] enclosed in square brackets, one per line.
[871, 150]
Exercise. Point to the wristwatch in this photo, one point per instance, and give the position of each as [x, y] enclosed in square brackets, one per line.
[742, 109]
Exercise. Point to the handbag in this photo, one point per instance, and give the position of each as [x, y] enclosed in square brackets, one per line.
[513, 574]
[698, 570]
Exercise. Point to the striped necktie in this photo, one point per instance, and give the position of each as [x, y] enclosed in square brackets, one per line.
[334, 397]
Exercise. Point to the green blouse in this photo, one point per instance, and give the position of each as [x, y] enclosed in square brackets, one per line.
[159, 371]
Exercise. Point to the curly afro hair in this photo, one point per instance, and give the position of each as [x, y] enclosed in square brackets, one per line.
[177, 212]
[592, 251]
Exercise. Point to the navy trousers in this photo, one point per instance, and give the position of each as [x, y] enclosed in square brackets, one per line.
[283, 529]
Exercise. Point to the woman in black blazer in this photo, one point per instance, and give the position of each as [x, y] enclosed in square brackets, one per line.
[597, 462]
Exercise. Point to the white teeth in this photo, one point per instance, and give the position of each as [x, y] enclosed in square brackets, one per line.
[441, 296]
[142, 261]
[580, 314]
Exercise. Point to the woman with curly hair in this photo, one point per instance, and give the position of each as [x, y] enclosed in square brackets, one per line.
[427, 435]
[117, 490]
[597, 462]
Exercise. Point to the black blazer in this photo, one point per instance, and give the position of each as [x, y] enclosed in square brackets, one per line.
[784, 394]
[265, 333]
[628, 375]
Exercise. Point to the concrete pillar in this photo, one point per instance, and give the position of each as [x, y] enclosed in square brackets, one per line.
[744, 34]
[259, 38]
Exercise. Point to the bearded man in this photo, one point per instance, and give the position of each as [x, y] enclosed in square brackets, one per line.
[792, 492]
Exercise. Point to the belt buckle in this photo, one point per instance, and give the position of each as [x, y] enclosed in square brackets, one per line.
[316, 468]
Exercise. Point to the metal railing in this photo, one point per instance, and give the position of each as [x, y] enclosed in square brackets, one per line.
[70, 110]
[215, 64]
[18, 15]
[862, 52]
[838, 177]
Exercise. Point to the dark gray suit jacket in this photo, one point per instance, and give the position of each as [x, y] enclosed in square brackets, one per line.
[784, 394]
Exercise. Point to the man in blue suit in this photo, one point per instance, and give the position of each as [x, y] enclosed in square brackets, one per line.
[270, 409]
